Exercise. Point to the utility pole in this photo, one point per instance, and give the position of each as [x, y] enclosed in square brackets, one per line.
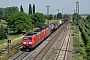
[48, 13]
[58, 13]
[77, 18]
[77, 10]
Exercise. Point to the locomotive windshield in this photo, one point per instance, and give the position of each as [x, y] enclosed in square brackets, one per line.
[27, 38]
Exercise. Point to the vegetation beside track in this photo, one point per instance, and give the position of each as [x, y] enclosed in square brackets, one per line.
[51, 53]
[13, 44]
[11, 37]
[78, 43]
[83, 34]
[7, 56]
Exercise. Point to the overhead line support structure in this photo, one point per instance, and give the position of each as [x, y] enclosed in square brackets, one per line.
[58, 12]
[48, 13]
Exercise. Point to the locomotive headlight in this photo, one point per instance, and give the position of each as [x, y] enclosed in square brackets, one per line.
[30, 42]
[24, 42]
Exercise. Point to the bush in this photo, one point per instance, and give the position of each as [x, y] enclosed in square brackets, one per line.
[80, 51]
[73, 35]
[19, 22]
[2, 31]
[81, 45]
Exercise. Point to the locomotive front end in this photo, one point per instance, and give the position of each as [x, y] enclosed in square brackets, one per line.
[27, 42]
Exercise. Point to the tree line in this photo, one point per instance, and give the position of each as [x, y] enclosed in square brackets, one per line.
[7, 10]
[31, 9]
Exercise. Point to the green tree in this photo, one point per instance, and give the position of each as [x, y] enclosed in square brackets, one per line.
[33, 8]
[1, 12]
[2, 31]
[19, 22]
[55, 17]
[59, 15]
[9, 10]
[45, 16]
[74, 16]
[50, 17]
[30, 9]
[21, 9]
[65, 16]
[88, 17]
[38, 19]
[5, 17]
[5, 11]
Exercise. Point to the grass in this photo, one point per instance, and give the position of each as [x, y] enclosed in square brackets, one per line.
[14, 43]
[75, 58]
[50, 21]
[2, 41]
[11, 37]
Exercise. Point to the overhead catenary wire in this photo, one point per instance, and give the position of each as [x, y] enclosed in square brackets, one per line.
[68, 6]
[63, 8]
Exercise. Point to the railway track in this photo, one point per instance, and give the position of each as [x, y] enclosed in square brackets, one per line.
[21, 55]
[62, 53]
[13, 48]
[28, 55]
[42, 53]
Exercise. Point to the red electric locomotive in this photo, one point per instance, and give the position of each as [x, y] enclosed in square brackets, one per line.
[31, 40]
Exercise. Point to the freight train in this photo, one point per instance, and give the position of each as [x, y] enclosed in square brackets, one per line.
[32, 39]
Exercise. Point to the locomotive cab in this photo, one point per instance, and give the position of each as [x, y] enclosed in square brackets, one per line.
[27, 41]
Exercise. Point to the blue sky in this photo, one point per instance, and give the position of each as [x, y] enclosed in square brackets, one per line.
[54, 4]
